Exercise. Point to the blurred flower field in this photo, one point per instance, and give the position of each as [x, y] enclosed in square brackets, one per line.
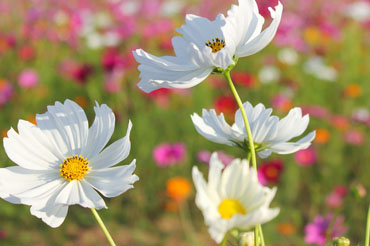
[319, 60]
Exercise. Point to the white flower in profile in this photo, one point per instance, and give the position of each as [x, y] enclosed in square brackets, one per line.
[269, 133]
[232, 198]
[205, 45]
[61, 162]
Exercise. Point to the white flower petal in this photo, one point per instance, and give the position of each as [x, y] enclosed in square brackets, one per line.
[199, 30]
[289, 147]
[204, 200]
[171, 72]
[66, 125]
[31, 148]
[244, 22]
[81, 193]
[291, 125]
[50, 213]
[26, 184]
[213, 127]
[100, 132]
[113, 181]
[114, 153]
[265, 37]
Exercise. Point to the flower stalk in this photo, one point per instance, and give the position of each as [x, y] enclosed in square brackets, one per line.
[367, 236]
[102, 226]
[252, 151]
[246, 123]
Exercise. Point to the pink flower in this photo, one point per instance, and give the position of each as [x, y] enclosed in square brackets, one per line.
[169, 154]
[315, 232]
[161, 96]
[340, 122]
[270, 172]
[157, 28]
[315, 111]
[354, 137]
[26, 53]
[113, 80]
[204, 156]
[111, 59]
[306, 157]
[335, 199]
[3, 235]
[282, 102]
[6, 91]
[28, 78]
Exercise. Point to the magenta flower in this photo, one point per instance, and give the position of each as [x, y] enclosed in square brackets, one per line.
[270, 172]
[335, 199]
[204, 156]
[306, 157]
[3, 235]
[28, 78]
[169, 154]
[112, 59]
[354, 137]
[6, 91]
[316, 111]
[316, 232]
[281, 102]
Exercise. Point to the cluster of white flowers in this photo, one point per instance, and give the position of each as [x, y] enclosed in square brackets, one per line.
[61, 161]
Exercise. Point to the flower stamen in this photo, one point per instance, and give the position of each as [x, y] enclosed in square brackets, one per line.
[216, 44]
[229, 207]
[74, 167]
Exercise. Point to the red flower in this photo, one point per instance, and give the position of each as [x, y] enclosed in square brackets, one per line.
[270, 172]
[242, 78]
[226, 105]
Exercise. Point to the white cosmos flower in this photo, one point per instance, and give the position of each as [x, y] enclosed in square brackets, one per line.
[205, 45]
[269, 133]
[232, 198]
[61, 162]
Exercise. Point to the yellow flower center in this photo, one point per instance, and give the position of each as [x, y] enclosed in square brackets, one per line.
[74, 167]
[229, 207]
[216, 44]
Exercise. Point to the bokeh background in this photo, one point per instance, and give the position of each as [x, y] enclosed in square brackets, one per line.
[82, 50]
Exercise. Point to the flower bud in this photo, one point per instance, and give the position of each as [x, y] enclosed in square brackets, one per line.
[341, 241]
[358, 191]
[247, 239]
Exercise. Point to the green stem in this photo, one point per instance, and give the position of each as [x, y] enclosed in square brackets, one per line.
[256, 237]
[105, 230]
[261, 234]
[367, 228]
[246, 123]
[252, 151]
[223, 243]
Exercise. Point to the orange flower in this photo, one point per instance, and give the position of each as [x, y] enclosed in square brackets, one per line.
[286, 229]
[4, 133]
[82, 101]
[178, 188]
[312, 35]
[353, 90]
[32, 119]
[322, 135]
